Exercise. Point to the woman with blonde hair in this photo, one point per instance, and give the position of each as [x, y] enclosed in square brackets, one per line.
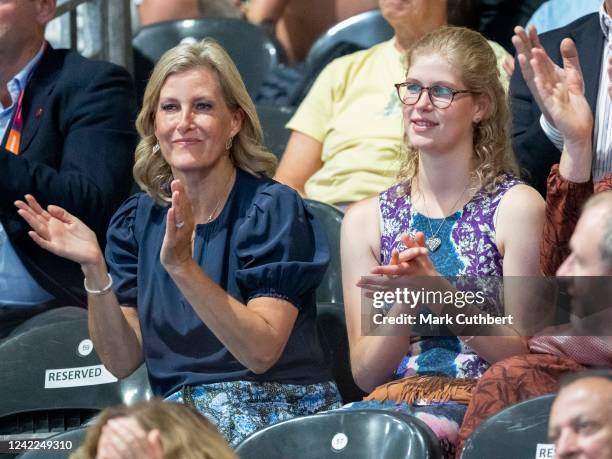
[458, 210]
[213, 268]
[153, 429]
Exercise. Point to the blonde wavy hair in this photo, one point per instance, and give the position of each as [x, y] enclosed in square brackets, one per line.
[151, 171]
[184, 433]
[471, 54]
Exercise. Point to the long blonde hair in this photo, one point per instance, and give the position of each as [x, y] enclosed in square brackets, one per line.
[151, 171]
[184, 433]
[471, 54]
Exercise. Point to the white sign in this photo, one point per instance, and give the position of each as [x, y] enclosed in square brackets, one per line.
[339, 442]
[80, 376]
[545, 451]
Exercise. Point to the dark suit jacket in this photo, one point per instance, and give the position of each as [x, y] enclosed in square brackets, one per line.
[77, 151]
[535, 153]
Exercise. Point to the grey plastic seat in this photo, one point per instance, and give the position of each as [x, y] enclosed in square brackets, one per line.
[273, 119]
[331, 325]
[254, 52]
[330, 217]
[362, 30]
[358, 434]
[513, 433]
[358, 32]
[53, 380]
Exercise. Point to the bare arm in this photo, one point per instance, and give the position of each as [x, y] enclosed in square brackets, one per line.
[260, 11]
[519, 226]
[373, 358]
[114, 330]
[152, 11]
[301, 159]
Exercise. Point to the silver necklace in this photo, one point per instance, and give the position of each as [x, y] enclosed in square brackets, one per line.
[433, 243]
[210, 217]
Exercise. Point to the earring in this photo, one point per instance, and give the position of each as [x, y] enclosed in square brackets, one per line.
[229, 143]
[156, 147]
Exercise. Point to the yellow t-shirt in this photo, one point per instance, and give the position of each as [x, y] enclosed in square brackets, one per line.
[354, 111]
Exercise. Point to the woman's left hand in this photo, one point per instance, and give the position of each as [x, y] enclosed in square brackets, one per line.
[176, 249]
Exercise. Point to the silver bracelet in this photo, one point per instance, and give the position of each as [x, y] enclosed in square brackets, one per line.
[104, 291]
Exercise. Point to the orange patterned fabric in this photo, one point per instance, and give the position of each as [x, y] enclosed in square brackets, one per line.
[510, 381]
[564, 201]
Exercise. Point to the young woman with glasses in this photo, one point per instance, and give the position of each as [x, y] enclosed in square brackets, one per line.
[458, 210]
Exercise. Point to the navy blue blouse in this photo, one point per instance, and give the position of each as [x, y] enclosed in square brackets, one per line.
[263, 244]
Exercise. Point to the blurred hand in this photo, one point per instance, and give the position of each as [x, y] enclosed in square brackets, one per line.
[176, 248]
[124, 438]
[562, 93]
[59, 232]
[508, 66]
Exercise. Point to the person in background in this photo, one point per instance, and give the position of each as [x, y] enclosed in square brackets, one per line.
[580, 423]
[458, 210]
[152, 11]
[536, 140]
[67, 136]
[153, 430]
[298, 23]
[572, 245]
[553, 14]
[212, 270]
[347, 133]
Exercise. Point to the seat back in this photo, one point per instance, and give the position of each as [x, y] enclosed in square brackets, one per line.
[67, 442]
[518, 431]
[254, 52]
[331, 325]
[362, 30]
[330, 217]
[273, 120]
[53, 380]
[355, 434]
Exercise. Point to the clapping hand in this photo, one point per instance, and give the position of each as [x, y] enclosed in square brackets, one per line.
[525, 41]
[413, 262]
[176, 248]
[562, 93]
[59, 232]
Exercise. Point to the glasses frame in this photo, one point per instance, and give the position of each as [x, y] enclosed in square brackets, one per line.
[454, 92]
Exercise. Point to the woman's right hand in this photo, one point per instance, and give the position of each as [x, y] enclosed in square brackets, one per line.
[59, 232]
[562, 94]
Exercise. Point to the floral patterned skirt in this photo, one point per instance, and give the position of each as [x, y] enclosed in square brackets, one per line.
[239, 408]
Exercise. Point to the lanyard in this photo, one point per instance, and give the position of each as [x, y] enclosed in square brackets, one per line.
[14, 137]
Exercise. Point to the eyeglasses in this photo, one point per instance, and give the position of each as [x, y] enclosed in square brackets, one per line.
[440, 96]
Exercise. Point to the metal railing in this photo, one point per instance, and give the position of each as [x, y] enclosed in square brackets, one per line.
[108, 21]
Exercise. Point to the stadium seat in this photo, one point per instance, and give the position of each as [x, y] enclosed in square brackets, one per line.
[363, 30]
[252, 49]
[69, 441]
[334, 340]
[273, 119]
[330, 289]
[357, 434]
[53, 380]
[519, 431]
[353, 34]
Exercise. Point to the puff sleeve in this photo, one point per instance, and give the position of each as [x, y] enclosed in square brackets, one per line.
[282, 250]
[122, 252]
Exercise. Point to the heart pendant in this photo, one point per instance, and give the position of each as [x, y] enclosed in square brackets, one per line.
[433, 243]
